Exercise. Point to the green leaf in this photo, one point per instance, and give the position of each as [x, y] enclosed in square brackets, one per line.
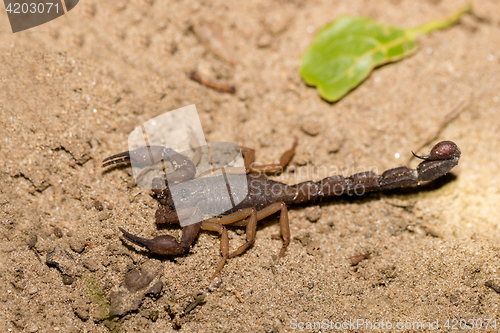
[344, 52]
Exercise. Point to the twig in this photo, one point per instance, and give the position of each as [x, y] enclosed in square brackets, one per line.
[199, 298]
[359, 258]
[195, 76]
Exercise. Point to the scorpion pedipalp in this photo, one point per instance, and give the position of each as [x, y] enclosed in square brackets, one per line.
[146, 157]
[166, 244]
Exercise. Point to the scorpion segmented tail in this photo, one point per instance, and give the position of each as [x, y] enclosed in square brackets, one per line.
[442, 158]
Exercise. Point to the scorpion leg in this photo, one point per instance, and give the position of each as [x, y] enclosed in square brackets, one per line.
[251, 223]
[217, 224]
[251, 229]
[224, 243]
[249, 157]
[284, 224]
[250, 217]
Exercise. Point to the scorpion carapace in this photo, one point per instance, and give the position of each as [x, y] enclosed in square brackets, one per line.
[266, 196]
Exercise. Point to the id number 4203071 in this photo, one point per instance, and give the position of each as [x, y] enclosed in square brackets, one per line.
[24, 8]
[472, 324]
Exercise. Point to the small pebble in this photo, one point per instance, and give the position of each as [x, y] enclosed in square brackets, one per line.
[61, 259]
[129, 295]
[173, 48]
[90, 264]
[155, 289]
[154, 315]
[433, 231]
[79, 148]
[135, 280]
[43, 245]
[492, 285]
[81, 309]
[277, 20]
[110, 325]
[311, 127]
[334, 142]
[108, 234]
[31, 240]
[32, 327]
[151, 315]
[103, 215]
[302, 158]
[32, 290]
[264, 41]
[211, 34]
[67, 280]
[118, 307]
[359, 258]
[77, 244]
[304, 239]
[313, 248]
[313, 214]
[122, 303]
[58, 232]
[98, 205]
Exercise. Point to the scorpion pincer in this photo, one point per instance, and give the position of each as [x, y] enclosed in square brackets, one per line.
[265, 196]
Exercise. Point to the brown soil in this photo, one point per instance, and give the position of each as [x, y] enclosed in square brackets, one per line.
[72, 90]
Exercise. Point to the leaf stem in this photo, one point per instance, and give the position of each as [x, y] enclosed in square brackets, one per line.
[440, 24]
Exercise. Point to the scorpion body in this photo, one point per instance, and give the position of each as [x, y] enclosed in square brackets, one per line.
[264, 196]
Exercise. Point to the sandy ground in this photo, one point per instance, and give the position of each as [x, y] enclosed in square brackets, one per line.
[72, 90]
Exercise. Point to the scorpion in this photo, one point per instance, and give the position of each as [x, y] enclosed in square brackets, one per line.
[265, 196]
